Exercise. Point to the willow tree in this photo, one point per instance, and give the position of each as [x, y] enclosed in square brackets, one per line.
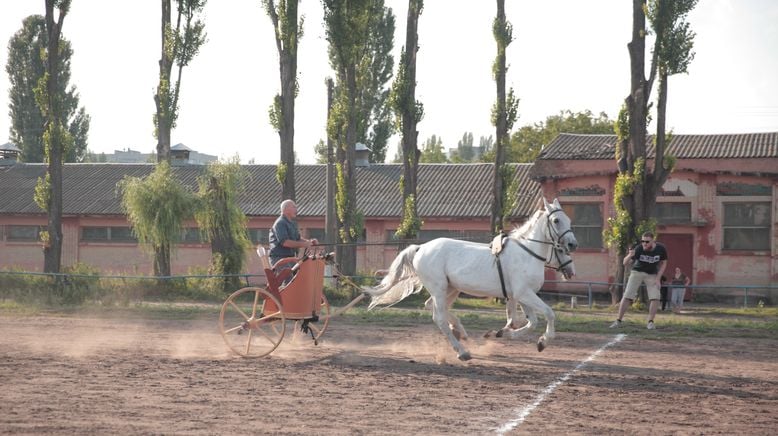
[408, 113]
[504, 114]
[157, 206]
[180, 44]
[56, 137]
[347, 24]
[288, 32]
[638, 182]
[222, 221]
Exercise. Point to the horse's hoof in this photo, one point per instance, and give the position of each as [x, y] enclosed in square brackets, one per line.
[465, 356]
[489, 334]
[541, 346]
[499, 333]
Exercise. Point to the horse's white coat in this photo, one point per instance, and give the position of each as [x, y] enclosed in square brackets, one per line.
[446, 267]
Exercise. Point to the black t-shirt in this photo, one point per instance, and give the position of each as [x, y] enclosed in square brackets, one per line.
[648, 261]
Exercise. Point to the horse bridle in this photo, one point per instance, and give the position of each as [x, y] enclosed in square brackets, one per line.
[556, 244]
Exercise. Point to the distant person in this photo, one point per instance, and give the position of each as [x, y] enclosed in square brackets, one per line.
[285, 236]
[649, 260]
[663, 292]
[678, 284]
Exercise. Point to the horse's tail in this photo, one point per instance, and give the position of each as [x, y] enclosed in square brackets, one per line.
[400, 282]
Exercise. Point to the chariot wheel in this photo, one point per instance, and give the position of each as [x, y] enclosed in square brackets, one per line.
[252, 322]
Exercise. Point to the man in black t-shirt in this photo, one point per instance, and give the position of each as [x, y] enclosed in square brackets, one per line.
[649, 260]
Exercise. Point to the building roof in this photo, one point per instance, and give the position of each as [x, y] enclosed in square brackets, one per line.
[445, 190]
[9, 147]
[569, 146]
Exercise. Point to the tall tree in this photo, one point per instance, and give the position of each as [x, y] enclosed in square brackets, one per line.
[432, 151]
[180, 44]
[26, 66]
[56, 137]
[157, 207]
[409, 113]
[638, 182]
[347, 24]
[464, 151]
[222, 221]
[288, 32]
[375, 119]
[504, 114]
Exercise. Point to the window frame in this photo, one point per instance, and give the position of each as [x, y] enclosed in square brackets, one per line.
[767, 227]
[598, 228]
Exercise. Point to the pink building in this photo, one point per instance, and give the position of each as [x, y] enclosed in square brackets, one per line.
[717, 212]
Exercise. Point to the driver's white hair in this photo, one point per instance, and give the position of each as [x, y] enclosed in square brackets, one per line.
[285, 204]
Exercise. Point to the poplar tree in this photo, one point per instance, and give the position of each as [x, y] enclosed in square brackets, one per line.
[180, 44]
[409, 112]
[288, 31]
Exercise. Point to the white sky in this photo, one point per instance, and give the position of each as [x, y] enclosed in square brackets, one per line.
[567, 54]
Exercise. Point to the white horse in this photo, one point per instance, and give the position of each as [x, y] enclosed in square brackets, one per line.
[446, 267]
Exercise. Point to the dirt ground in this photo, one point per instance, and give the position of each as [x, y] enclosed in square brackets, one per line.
[87, 375]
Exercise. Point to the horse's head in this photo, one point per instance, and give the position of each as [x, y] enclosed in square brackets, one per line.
[559, 227]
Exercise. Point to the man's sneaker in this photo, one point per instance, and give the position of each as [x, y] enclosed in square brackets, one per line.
[651, 325]
[616, 324]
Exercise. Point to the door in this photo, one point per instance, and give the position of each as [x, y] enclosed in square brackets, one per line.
[680, 253]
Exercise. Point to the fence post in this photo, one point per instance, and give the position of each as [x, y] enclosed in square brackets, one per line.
[745, 298]
[589, 287]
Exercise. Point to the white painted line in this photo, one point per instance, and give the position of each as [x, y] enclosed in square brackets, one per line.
[523, 413]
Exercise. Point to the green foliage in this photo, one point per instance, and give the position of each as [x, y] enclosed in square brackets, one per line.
[281, 173]
[342, 206]
[221, 219]
[400, 98]
[156, 206]
[43, 192]
[26, 70]
[527, 142]
[275, 114]
[675, 39]
[432, 151]
[411, 223]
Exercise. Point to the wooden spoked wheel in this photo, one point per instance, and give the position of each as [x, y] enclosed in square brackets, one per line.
[249, 330]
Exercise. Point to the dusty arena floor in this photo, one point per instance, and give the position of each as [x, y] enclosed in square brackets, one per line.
[87, 375]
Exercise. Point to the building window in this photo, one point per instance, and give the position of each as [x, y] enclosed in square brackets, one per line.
[674, 213]
[103, 234]
[259, 236]
[746, 226]
[24, 233]
[586, 221]
[192, 235]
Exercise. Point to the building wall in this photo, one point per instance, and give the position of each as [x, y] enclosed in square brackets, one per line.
[712, 264]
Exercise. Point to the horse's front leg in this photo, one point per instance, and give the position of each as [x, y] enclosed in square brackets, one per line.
[441, 318]
[511, 316]
[532, 321]
[532, 301]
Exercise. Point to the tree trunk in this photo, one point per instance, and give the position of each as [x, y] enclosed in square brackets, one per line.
[287, 54]
[347, 254]
[162, 97]
[330, 219]
[501, 128]
[52, 252]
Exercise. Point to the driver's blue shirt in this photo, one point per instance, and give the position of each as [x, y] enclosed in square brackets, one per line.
[283, 229]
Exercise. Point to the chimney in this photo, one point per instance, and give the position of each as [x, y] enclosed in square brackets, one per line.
[362, 155]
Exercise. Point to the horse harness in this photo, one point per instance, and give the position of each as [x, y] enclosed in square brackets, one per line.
[498, 244]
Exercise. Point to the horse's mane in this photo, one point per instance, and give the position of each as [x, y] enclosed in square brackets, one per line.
[524, 229]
